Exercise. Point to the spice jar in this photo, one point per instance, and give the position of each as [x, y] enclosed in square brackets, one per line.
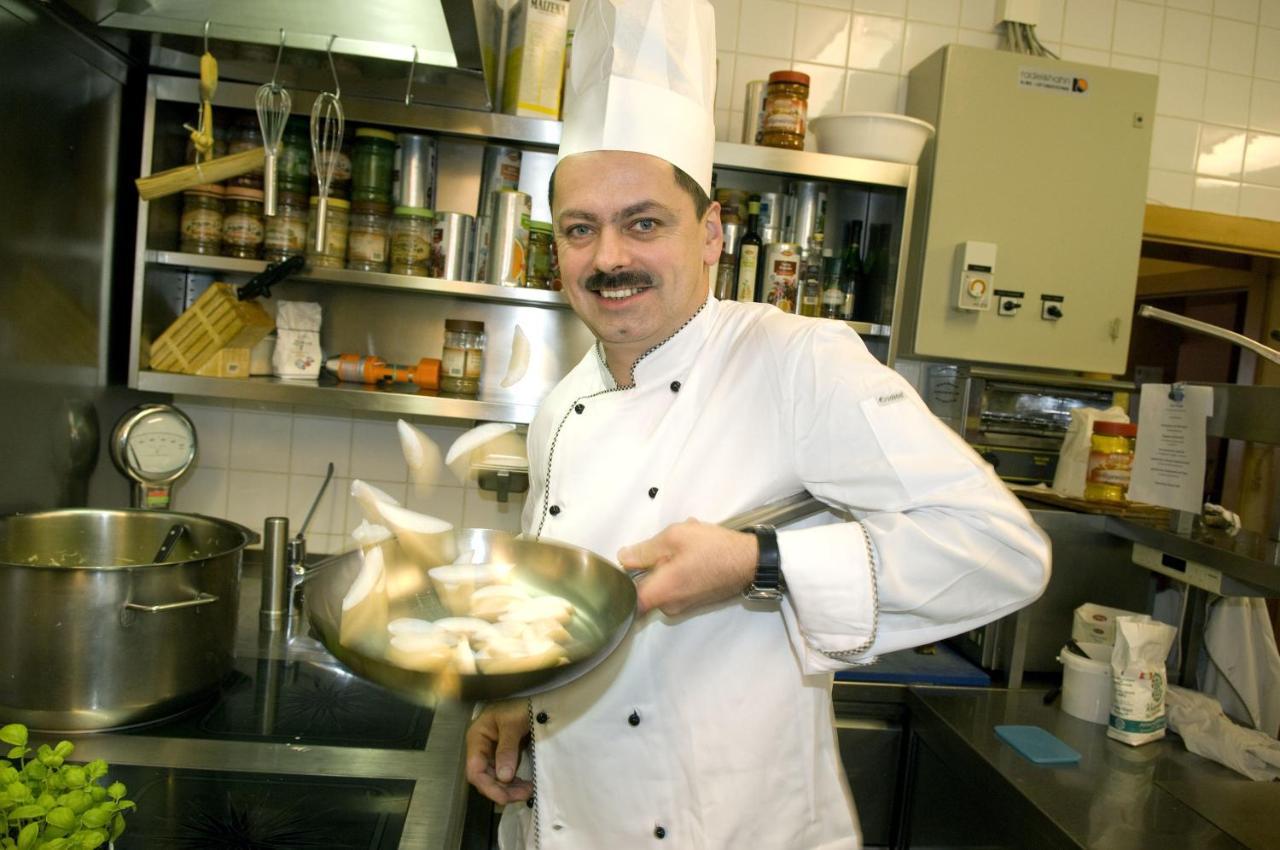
[367, 236]
[242, 226]
[293, 163]
[334, 255]
[340, 183]
[286, 231]
[372, 165]
[538, 275]
[411, 231]
[463, 360]
[786, 110]
[245, 135]
[1110, 461]
[200, 227]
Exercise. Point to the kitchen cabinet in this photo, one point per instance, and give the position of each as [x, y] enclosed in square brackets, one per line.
[400, 318]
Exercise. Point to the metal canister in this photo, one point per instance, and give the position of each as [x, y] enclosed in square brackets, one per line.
[452, 242]
[509, 239]
[772, 209]
[501, 171]
[782, 268]
[810, 217]
[753, 112]
[415, 171]
[732, 233]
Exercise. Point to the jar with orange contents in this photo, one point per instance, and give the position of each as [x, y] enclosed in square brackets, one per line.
[1110, 461]
[786, 110]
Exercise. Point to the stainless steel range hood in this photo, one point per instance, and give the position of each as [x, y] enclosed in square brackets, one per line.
[374, 49]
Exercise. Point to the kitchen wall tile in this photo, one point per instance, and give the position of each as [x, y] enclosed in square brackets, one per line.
[735, 126]
[254, 496]
[1052, 13]
[1135, 63]
[1181, 91]
[867, 91]
[1089, 23]
[1203, 6]
[767, 28]
[202, 491]
[973, 38]
[375, 451]
[876, 44]
[353, 513]
[1226, 99]
[324, 544]
[1269, 13]
[727, 13]
[826, 87]
[724, 79]
[1071, 53]
[922, 40]
[978, 15]
[1173, 144]
[896, 8]
[1170, 188]
[1186, 37]
[446, 503]
[1216, 196]
[1264, 106]
[260, 441]
[747, 68]
[330, 515]
[844, 5]
[483, 510]
[318, 440]
[1240, 10]
[822, 36]
[263, 406]
[722, 125]
[1221, 152]
[1260, 202]
[943, 12]
[1139, 28]
[1262, 159]
[1267, 60]
[1231, 46]
[213, 432]
[444, 436]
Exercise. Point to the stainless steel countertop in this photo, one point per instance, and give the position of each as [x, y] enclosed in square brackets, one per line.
[1117, 797]
[437, 804]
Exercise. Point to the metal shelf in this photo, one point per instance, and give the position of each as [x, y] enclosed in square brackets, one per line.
[329, 393]
[376, 280]
[869, 329]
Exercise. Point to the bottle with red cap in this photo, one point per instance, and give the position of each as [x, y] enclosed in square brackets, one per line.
[1110, 461]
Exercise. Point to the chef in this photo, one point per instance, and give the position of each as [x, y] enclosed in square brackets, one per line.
[711, 725]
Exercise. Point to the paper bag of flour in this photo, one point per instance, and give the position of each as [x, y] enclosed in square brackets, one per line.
[297, 354]
[1138, 680]
[1073, 459]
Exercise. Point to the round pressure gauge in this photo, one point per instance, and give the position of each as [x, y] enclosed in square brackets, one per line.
[154, 445]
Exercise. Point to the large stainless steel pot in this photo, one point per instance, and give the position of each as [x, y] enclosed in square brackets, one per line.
[93, 635]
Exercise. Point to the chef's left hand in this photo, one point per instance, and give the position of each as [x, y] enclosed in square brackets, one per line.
[691, 564]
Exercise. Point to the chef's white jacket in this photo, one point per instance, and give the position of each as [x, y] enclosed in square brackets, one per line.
[714, 729]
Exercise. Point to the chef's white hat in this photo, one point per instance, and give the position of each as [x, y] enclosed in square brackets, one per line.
[642, 78]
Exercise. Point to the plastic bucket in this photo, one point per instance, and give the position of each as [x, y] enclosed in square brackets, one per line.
[1086, 682]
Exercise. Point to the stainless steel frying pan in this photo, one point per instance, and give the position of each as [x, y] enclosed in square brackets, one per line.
[603, 595]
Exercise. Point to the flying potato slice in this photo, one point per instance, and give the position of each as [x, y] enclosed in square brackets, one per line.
[424, 539]
[412, 626]
[512, 655]
[492, 601]
[462, 447]
[455, 583]
[540, 608]
[371, 499]
[464, 660]
[425, 653]
[367, 535]
[474, 630]
[518, 365]
[363, 622]
[421, 454]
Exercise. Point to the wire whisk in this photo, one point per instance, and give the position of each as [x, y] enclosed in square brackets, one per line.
[326, 143]
[273, 103]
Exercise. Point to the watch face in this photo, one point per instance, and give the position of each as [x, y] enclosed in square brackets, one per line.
[160, 444]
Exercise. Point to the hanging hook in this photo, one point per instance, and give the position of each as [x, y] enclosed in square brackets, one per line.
[337, 89]
[279, 53]
[206, 35]
[408, 88]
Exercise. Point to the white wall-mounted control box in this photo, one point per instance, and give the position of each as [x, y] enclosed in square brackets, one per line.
[975, 275]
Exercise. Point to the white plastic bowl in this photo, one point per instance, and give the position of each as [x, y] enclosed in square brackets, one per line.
[873, 135]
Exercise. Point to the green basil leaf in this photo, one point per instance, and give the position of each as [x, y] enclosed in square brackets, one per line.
[62, 817]
[35, 770]
[55, 844]
[27, 837]
[18, 792]
[64, 748]
[93, 838]
[125, 805]
[75, 777]
[15, 734]
[31, 810]
[96, 769]
[116, 790]
[95, 818]
[17, 752]
[46, 800]
[98, 793]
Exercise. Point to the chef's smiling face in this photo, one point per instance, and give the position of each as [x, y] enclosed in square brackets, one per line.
[632, 249]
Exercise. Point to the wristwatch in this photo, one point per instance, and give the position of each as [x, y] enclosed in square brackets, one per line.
[768, 582]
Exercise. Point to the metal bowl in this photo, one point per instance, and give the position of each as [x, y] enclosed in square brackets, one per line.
[603, 595]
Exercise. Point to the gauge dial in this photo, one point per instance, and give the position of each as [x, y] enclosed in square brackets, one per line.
[155, 444]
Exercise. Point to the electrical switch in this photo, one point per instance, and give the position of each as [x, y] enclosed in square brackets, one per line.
[1051, 307]
[1008, 302]
[976, 269]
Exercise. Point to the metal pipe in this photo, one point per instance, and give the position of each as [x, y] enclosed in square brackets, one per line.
[1266, 352]
[275, 578]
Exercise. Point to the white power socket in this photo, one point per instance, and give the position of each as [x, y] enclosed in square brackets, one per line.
[1018, 11]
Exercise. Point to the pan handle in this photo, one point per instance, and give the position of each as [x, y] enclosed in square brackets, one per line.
[201, 599]
[793, 507]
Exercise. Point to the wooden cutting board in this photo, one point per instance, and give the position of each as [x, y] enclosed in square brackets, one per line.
[1129, 510]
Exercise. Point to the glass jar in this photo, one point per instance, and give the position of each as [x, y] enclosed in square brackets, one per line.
[1110, 461]
[293, 164]
[372, 165]
[540, 239]
[340, 183]
[245, 135]
[367, 236]
[411, 231]
[463, 360]
[200, 227]
[334, 253]
[286, 231]
[786, 110]
[242, 226]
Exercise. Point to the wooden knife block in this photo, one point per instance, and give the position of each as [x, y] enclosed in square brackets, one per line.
[213, 336]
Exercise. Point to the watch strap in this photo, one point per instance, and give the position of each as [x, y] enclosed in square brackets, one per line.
[768, 582]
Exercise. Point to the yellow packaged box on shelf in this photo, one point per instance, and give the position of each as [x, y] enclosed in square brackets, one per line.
[217, 320]
[535, 58]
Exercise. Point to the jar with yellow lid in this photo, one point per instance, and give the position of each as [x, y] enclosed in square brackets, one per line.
[242, 226]
[1110, 461]
[200, 228]
[334, 255]
[786, 110]
[411, 248]
[367, 236]
[462, 363]
[286, 231]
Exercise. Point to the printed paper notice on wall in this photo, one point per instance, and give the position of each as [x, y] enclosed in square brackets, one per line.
[1168, 462]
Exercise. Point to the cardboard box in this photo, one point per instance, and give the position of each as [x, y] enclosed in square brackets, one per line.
[535, 58]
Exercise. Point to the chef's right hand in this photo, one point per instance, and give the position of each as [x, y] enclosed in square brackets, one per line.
[493, 752]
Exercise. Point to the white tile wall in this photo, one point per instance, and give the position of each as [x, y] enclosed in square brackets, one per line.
[1267, 61]
[822, 36]
[1231, 46]
[1138, 29]
[1226, 99]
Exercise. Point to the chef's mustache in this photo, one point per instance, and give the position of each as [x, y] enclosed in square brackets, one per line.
[618, 280]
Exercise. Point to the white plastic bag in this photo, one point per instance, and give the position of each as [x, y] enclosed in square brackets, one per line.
[297, 353]
[1073, 460]
[1138, 680]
